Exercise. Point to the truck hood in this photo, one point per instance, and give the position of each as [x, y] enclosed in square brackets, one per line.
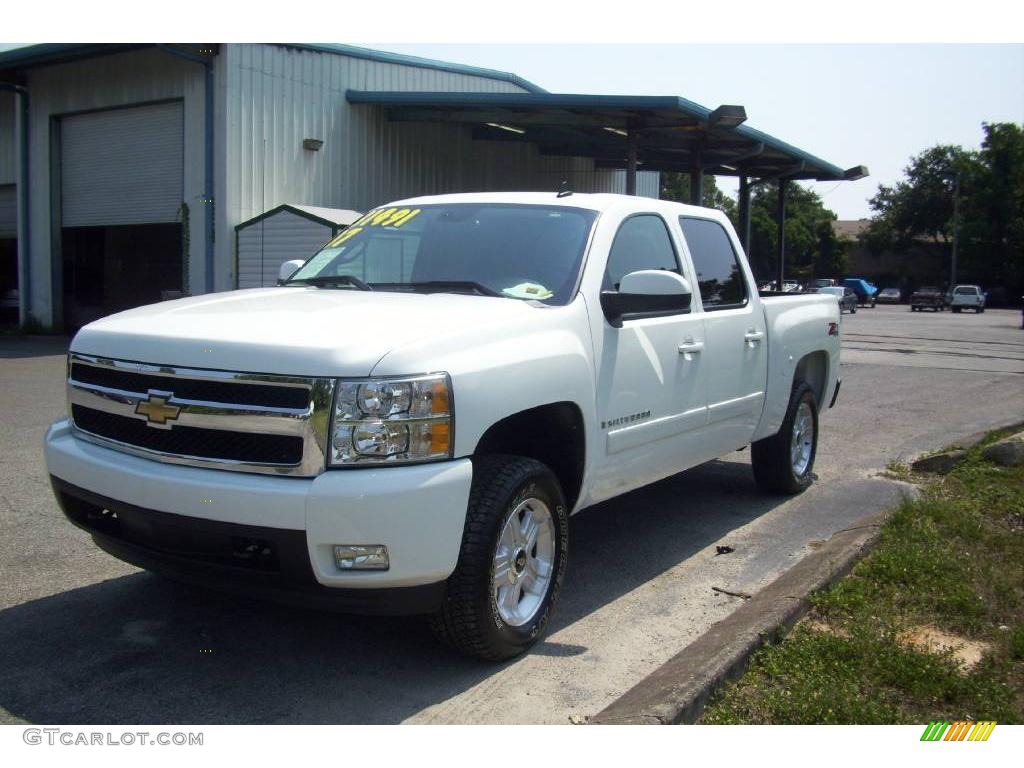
[292, 331]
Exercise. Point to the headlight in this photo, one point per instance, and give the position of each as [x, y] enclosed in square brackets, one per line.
[391, 420]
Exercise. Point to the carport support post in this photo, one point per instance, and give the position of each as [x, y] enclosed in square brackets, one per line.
[631, 163]
[696, 180]
[744, 205]
[780, 223]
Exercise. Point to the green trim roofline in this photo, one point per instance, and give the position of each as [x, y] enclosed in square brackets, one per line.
[669, 106]
[59, 53]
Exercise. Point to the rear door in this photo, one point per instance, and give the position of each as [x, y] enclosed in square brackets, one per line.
[736, 336]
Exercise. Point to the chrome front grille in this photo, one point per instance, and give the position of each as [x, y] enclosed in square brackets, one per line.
[245, 422]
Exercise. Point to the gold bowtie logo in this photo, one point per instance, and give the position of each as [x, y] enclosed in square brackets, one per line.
[156, 410]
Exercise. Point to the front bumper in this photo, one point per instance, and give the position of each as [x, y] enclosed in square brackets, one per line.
[186, 520]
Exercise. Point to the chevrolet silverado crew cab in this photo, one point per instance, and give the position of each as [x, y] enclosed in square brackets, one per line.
[406, 424]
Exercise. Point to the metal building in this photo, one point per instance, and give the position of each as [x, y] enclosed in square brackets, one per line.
[284, 233]
[143, 159]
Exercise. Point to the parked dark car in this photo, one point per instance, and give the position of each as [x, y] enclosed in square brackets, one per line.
[865, 290]
[847, 298]
[928, 296]
[888, 296]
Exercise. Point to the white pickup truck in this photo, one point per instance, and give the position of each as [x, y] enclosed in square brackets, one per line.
[407, 423]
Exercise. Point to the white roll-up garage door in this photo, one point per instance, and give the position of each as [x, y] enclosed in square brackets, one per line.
[8, 211]
[122, 166]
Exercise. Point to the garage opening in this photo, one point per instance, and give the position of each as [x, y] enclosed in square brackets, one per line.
[110, 269]
[8, 255]
[122, 211]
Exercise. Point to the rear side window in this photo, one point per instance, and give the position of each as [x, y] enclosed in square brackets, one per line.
[642, 242]
[721, 281]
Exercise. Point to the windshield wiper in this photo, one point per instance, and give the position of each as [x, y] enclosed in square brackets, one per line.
[322, 281]
[444, 286]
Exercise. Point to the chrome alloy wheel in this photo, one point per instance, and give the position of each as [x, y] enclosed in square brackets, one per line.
[803, 440]
[523, 562]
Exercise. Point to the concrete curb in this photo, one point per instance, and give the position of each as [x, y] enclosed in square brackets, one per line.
[677, 691]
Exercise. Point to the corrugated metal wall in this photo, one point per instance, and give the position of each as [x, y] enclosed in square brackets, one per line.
[274, 97]
[264, 246]
[137, 77]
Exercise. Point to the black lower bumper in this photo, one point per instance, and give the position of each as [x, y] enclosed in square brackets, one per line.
[270, 563]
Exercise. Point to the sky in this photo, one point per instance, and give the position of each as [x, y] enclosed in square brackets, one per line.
[848, 103]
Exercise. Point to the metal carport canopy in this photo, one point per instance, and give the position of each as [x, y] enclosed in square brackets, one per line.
[662, 133]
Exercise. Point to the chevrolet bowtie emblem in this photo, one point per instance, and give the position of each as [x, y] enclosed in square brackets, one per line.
[156, 410]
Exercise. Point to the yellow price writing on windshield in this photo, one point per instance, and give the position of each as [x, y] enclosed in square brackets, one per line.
[388, 217]
[346, 235]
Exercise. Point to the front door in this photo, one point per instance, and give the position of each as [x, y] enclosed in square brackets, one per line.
[650, 374]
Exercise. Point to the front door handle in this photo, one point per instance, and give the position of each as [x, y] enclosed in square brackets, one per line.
[753, 337]
[690, 347]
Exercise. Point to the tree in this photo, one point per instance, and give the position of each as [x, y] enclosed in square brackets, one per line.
[921, 205]
[676, 186]
[990, 186]
[812, 247]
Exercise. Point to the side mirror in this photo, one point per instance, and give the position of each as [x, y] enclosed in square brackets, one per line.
[288, 269]
[647, 293]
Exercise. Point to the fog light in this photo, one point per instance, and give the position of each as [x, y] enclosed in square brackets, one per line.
[361, 557]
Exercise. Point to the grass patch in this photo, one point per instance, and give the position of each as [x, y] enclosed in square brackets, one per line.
[953, 560]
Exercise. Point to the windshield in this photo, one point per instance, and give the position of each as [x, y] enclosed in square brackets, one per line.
[510, 250]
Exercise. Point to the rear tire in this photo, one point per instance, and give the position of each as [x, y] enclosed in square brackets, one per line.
[784, 462]
[514, 552]
[956, 310]
[853, 310]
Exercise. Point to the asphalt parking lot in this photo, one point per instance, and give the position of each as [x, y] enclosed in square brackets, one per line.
[87, 639]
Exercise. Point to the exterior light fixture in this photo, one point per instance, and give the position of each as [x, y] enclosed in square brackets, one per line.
[508, 128]
[617, 131]
[857, 172]
[727, 116]
[312, 144]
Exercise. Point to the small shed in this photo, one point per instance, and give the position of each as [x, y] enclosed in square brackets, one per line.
[283, 233]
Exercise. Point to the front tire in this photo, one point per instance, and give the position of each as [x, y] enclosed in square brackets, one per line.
[784, 462]
[514, 552]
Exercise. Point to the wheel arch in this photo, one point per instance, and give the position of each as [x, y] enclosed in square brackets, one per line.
[553, 434]
[813, 368]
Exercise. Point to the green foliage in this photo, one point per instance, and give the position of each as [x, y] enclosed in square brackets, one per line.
[812, 248]
[676, 186]
[951, 560]
[991, 195]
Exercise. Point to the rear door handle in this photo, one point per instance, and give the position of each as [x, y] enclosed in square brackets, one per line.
[753, 337]
[689, 347]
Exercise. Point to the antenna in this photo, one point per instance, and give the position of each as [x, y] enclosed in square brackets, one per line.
[563, 189]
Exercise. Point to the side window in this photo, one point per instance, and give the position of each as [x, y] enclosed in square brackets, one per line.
[642, 242]
[719, 275]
